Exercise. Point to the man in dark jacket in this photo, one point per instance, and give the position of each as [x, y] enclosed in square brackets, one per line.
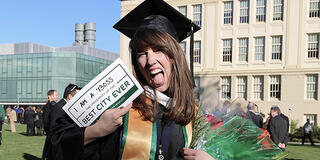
[56, 110]
[29, 116]
[55, 113]
[287, 124]
[52, 97]
[278, 128]
[252, 114]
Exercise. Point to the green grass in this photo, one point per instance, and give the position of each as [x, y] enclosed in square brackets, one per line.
[306, 152]
[17, 146]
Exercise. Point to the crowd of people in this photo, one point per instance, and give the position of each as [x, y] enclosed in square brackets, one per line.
[31, 116]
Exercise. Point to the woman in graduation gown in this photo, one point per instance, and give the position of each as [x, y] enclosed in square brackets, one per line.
[158, 124]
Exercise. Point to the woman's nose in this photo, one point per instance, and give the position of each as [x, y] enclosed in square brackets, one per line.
[151, 58]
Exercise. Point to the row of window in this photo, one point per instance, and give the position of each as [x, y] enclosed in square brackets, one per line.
[259, 48]
[197, 13]
[260, 10]
[258, 87]
[259, 52]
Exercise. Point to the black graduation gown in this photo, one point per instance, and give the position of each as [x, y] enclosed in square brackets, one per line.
[255, 119]
[68, 140]
[278, 129]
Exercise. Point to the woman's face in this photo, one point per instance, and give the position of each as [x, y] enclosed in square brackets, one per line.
[155, 66]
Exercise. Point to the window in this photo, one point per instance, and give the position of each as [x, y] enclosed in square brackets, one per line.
[312, 118]
[197, 11]
[40, 64]
[313, 45]
[3, 85]
[183, 10]
[242, 87]
[29, 87]
[243, 50]
[244, 11]
[226, 87]
[29, 65]
[227, 50]
[86, 66]
[197, 52]
[183, 46]
[275, 87]
[261, 11]
[259, 49]
[19, 86]
[312, 86]
[39, 86]
[228, 12]
[276, 47]
[19, 65]
[314, 10]
[277, 10]
[258, 87]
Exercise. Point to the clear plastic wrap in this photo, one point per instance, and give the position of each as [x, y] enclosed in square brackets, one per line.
[227, 134]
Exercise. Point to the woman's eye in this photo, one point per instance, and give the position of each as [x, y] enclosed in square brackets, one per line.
[140, 54]
[157, 51]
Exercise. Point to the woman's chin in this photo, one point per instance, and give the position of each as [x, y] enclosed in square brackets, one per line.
[162, 88]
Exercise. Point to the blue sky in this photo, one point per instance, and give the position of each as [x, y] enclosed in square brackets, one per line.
[52, 22]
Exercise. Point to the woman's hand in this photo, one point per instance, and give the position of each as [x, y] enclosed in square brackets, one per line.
[109, 121]
[191, 154]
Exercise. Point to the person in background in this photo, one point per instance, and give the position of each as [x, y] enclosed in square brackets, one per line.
[52, 97]
[252, 114]
[16, 110]
[29, 117]
[55, 114]
[266, 123]
[38, 122]
[307, 130]
[13, 119]
[226, 106]
[287, 126]
[277, 128]
[20, 114]
[8, 110]
[2, 118]
[56, 110]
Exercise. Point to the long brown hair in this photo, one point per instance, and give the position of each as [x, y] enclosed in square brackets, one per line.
[180, 81]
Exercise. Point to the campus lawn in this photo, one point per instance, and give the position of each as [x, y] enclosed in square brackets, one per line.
[17, 146]
[306, 152]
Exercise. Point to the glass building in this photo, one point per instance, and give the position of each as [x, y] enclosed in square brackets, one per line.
[29, 70]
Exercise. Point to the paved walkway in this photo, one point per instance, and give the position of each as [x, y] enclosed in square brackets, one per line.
[306, 143]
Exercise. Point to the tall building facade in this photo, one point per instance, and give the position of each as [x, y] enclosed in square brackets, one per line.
[29, 70]
[265, 51]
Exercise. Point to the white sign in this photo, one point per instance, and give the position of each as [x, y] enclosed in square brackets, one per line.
[112, 88]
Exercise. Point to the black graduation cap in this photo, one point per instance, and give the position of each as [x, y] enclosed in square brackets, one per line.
[159, 15]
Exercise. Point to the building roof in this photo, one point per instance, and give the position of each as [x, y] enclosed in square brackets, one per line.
[30, 47]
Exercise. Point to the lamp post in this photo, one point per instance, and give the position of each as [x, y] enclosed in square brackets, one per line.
[290, 110]
[18, 101]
